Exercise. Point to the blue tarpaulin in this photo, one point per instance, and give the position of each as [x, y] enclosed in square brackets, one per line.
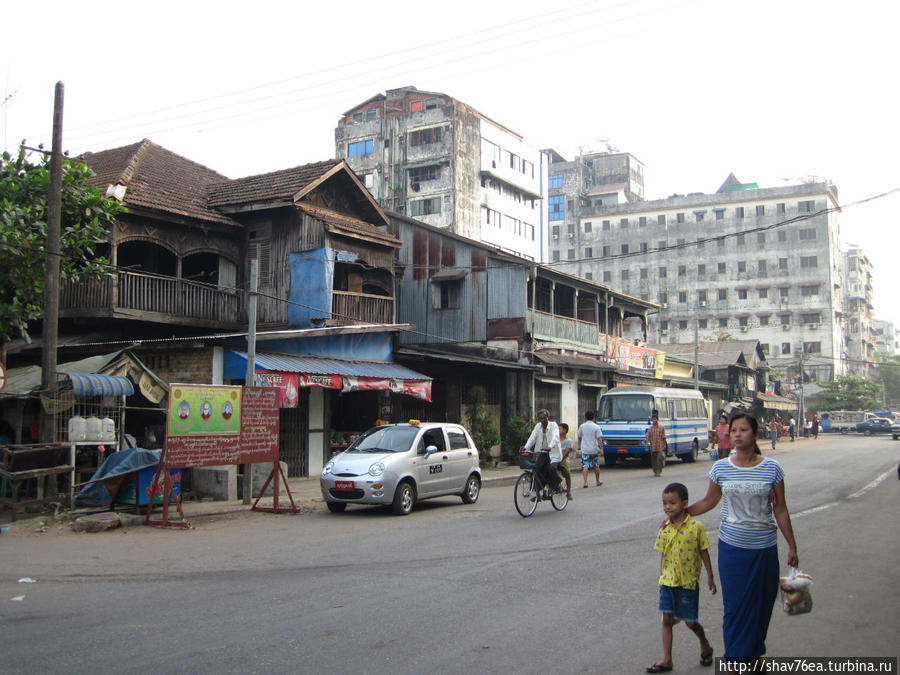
[117, 464]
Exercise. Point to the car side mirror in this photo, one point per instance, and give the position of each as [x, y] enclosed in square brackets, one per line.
[430, 450]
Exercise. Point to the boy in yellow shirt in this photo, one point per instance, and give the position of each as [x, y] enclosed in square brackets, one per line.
[683, 544]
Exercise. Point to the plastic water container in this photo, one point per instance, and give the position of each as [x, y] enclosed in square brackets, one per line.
[92, 428]
[77, 429]
[107, 429]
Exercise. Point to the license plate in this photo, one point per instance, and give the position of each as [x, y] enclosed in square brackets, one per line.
[622, 451]
[344, 485]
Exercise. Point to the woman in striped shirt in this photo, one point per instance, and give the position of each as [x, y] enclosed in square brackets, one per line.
[751, 488]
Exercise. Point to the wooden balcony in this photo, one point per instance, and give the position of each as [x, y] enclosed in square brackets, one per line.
[349, 308]
[146, 297]
[552, 326]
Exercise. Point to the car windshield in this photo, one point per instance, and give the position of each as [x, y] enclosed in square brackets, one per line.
[385, 439]
[626, 407]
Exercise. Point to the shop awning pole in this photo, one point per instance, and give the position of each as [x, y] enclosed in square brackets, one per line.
[250, 377]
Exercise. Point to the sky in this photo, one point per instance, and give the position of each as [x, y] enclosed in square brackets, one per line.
[776, 91]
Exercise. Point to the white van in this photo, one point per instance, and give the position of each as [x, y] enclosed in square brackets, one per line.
[624, 416]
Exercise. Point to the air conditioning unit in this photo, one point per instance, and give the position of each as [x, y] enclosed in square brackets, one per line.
[784, 301]
[665, 305]
[556, 236]
[744, 329]
[813, 326]
[571, 235]
[703, 303]
[785, 326]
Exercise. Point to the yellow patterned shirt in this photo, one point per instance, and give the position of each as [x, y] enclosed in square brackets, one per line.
[680, 550]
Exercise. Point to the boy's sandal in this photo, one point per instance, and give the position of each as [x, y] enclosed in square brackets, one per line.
[707, 659]
[658, 668]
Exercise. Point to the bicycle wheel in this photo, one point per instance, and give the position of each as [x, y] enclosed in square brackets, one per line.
[559, 499]
[525, 495]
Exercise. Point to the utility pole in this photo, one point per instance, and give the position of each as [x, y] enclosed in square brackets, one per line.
[51, 268]
[802, 419]
[250, 376]
[697, 353]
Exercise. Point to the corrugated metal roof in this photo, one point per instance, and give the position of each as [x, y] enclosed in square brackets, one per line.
[320, 365]
[23, 381]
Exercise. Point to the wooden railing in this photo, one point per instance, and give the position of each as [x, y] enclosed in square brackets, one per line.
[131, 292]
[564, 328]
[351, 307]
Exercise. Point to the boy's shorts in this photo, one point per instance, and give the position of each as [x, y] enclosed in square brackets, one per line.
[590, 461]
[682, 603]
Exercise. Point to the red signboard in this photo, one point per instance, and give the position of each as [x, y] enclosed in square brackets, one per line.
[2, 376]
[259, 424]
[287, 383]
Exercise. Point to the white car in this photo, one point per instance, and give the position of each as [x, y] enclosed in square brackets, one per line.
[400, 464]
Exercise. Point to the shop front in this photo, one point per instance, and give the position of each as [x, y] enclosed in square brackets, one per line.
[326, 402]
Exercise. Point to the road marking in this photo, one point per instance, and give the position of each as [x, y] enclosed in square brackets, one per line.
[856, 495]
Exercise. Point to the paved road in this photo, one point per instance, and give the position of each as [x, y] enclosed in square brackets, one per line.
[448, 589]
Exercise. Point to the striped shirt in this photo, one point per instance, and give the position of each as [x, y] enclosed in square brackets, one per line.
[747, 517]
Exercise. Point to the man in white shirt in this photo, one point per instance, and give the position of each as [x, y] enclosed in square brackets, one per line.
[545, 436]
[590, 441]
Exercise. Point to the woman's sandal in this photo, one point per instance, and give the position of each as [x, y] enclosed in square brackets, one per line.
[658, 668]
[706, 659]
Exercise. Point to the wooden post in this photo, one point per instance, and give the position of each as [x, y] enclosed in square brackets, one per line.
[250, 376]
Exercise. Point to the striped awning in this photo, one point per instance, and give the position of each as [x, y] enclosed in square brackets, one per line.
[92, 384]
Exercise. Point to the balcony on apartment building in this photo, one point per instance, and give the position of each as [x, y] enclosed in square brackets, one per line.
[348, 308]
[561, 313]
[151, 297]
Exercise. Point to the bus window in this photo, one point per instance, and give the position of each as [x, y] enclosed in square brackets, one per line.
[628, 407]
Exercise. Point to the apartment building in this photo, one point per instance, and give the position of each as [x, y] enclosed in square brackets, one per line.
[744, 262]
[589, 181]
[431, 157]
[886, 338]
[859, 316]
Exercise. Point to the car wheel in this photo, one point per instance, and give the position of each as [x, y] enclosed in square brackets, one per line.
[336, 507]
[692, 455]
[895, 437]
[404, 499]
[844, 430]
[868, 432]
[473, 489]
[609, 460]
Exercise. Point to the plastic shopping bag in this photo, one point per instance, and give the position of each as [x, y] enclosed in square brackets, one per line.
[795, 595]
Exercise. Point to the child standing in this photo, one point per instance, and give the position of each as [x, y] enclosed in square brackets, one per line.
[565, 444]
[683, 544]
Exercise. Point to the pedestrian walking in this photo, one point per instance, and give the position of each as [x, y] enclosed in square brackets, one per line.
[751, 488]
[590, 442]
[656, 439]
[773, 431]
[683, 543]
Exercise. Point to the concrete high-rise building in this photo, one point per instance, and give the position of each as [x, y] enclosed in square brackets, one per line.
[886, 338]
[428, 156]
[859, 316]
[744, 262]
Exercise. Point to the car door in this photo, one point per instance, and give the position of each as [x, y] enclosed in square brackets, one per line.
[432, 472]
[463, 457]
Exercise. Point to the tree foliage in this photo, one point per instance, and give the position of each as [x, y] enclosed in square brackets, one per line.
[889, 368]
[849, 392]
[481, 423]
[86, 220]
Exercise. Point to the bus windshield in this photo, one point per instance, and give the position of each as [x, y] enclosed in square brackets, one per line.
[626, 407]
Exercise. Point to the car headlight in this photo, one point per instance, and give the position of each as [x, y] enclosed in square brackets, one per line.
[328, 468]
[376, 469]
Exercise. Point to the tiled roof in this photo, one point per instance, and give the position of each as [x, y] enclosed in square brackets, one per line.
[157, 179]
[277, 185]
[341, 224]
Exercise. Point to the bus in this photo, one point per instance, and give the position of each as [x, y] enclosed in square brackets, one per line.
[624, 416]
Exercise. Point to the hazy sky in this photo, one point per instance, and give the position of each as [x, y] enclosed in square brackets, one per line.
[774, 91]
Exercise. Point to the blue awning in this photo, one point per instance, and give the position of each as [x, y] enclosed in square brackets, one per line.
[100, 385]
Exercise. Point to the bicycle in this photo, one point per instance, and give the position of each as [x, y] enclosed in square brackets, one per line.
[531, 489]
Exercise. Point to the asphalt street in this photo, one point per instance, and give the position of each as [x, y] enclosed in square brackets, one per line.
[448, 589]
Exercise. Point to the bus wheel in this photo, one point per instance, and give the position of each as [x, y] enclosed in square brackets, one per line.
[692, 455]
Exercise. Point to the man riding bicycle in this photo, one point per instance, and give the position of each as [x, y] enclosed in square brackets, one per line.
[544, 440]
